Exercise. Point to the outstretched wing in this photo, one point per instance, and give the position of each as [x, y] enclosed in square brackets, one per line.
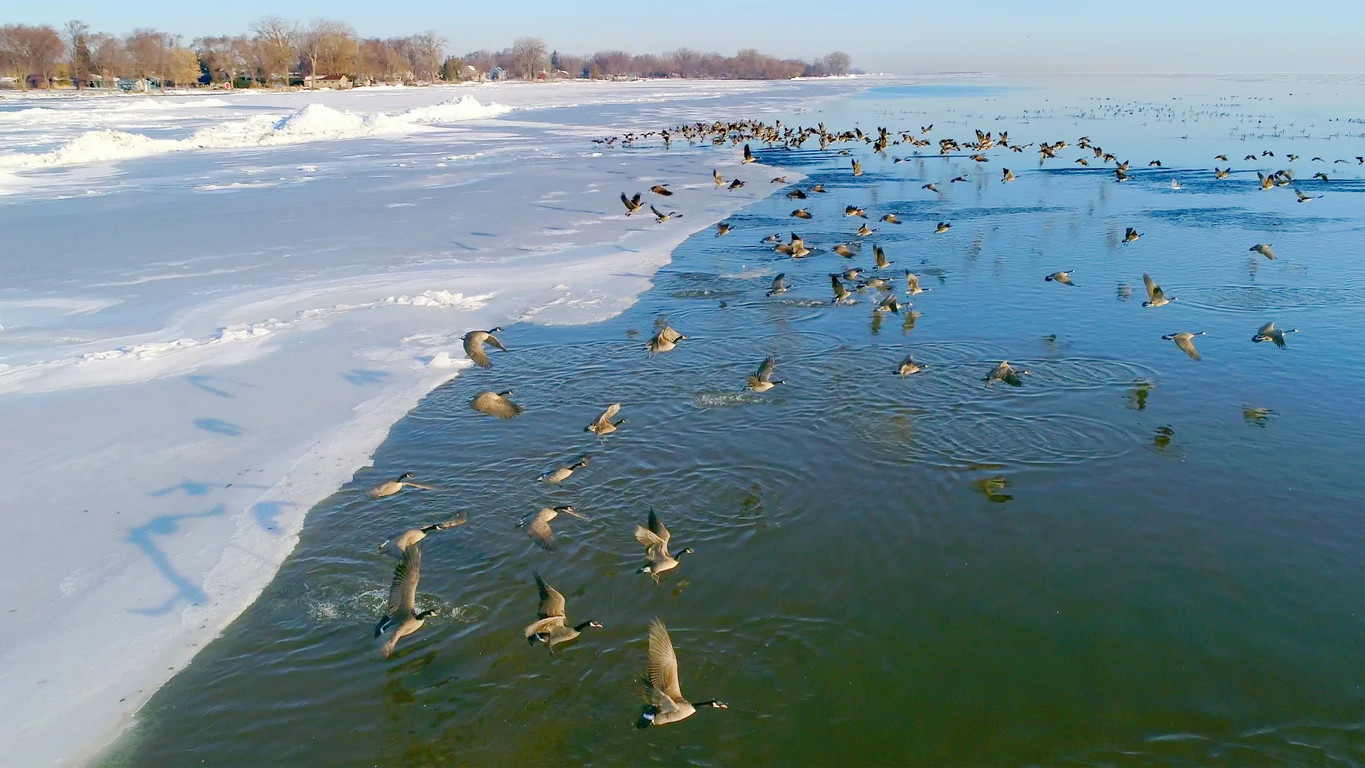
[1186, 345]
[663, 662]
[1153, 290]
[748, 154]
[765, 371]
[551, 601]
[656, 526]
[403, 591]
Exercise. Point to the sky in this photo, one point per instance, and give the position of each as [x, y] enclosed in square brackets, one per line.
[895, 36]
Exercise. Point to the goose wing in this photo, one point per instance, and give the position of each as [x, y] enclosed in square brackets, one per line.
[1154, 291]
[494, 404]
[656, 526]
[1186, 343]
[539, 529]
[551, 601]
[403, 591]
[765, 371]
[663, 662]
[626, 202]
[748, 154]
[473, 346]
[654, 546]
[1266, 329]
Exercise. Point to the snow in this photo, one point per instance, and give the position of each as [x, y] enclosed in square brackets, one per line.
[214, 309]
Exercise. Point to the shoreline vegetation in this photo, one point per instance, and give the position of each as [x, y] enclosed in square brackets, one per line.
[324, 53]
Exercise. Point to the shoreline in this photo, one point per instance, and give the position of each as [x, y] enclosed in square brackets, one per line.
[320, 460]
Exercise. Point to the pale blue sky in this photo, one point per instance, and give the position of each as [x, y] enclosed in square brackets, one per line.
[888, 36]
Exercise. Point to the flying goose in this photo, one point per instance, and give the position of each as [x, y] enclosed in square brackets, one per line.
[842, 249]
[394, 486]
[655, 539]
[661, 217]
[666, 702]
[402, 614]
[553, 628]
[778, 180]
[495, 404]
[633, 204]
[857, 168]
[908, 367]
[1006, 373]
[801, 213]
[720, 180]
[853, 210]
[1063, 277]
[661, 189]
[1155, 296]
[557, 476]
[889, 304]
[912, 284]
[1130, 234]
[930, 186]
[537, 524]
[880, 255]
[1185, 341]
[1264, 250]
[841, 292]
[852, 273]
[1304, 198]
[1320, 175]
[664, 341]
[1221, 173]
[942, 227]
[1269, 332]
[891, 218]
[411, 536]
[762, 380]
[864, 230]
[736, 184]
[956, 179]
[1175, 183]
[779, 284]
[603, 425]
[1007, 176]
[748, 155]
[473, 346]
[723, 228]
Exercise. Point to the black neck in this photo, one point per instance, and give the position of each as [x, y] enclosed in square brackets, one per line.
[583, 626]
[707, 703]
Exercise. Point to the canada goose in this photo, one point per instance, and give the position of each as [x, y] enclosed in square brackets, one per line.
[1130, 234]
[841, 292]
[664, 341]
[1221, 173]
[801, 213]
[891, 218]
[1082, 161]
[778, 180]
[980, 158]
[1249, 157]
[1153, 163]
[495, 404]
[1320, 175]
[1185, 341]
[926, 129]
[1302, 197]
[819, 188]
[852, 273]
[857, 168]
[661, 189]
[1267, 182]
[1264, 250]
[1175, 184]
[796, 194]
[1221, 158]
[748, 155]
[779, 284]
[723, 229]
[930, 186]
[865, 230]
[1063, 277]
[402, 614]
[720, 180]
[1006, 373]
[842, 249]
[632, 204]
[912, 283]
[908, 367]
[661, 217]
[557, 476]
[736, 184]
[853, 210]
[1155, 296]
[956, 179]
[762, 380]
[537, 524]
[411, 536]
[552, 627]
[1269, 332]
[473, 346]
[942, 227]
[889, 304]
[773, 238]
[880, 255]
[394, 486]
[603, 425]
[880, 283]
[1007, 176]
[655, 540]
[666, 702]
[1120, 174]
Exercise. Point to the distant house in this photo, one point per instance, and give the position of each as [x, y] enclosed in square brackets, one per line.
[495, 73]
[334, 82]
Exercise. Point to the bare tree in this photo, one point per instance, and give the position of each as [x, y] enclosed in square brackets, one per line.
[330, 47]
[278, 43]
[30, 51]
[428, 49]
[529, 55]
[76, 34]
[837, 63]
[109, 57]
[149, 50]
[687, 62]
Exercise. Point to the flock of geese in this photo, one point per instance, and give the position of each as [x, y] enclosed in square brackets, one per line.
[552, 627]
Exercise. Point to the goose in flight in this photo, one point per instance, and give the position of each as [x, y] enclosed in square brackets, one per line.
[661, 217]
[1269, 332]
[1155, 296]
[394, 486]
[557, 476]
[495, 404]
[665, 340]
[633, 204]
[779, 284]
[407, 538]
[402, 616]
[537, 524]
[552, 628]
[1185, 341]
[762, 380]
[603, 425]
[1264, 250]
[1006, 373]
[473, 346]
[655, 539]
[666, 702]
[1063, 277]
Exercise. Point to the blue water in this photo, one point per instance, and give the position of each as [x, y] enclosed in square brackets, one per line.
[1134, 558]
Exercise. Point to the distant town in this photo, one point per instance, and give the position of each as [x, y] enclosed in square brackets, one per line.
[278, 53]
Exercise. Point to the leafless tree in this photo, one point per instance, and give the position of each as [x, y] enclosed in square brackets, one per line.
[278, 43]
[837, 63]
[529, 55]
[76, 35]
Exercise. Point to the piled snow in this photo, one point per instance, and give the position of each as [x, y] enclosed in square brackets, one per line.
[314, 122]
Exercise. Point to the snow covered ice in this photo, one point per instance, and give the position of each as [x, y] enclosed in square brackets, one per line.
[215, 307]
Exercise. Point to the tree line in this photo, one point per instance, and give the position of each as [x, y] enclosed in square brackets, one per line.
[278, 52]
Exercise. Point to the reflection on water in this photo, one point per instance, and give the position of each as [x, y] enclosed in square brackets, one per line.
[922, 570]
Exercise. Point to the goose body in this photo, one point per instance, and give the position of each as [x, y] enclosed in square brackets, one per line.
[557, 476]
[664, 341]
[666, 702]
[779, 284]
[1063, 277]
[942, 227]
[908, 367]
[1269, 332]
[655, 539]
[537, 524]
[394, 486]
[495, 404]
[1155, 296]
[632, 204]
[762, 380]
[1185, 340]
[1263, 249]
[604, 425]
[552, 627]
[1006, 373]
[841, 292]
[912, 283]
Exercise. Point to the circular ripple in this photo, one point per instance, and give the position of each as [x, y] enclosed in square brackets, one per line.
[954, 439]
